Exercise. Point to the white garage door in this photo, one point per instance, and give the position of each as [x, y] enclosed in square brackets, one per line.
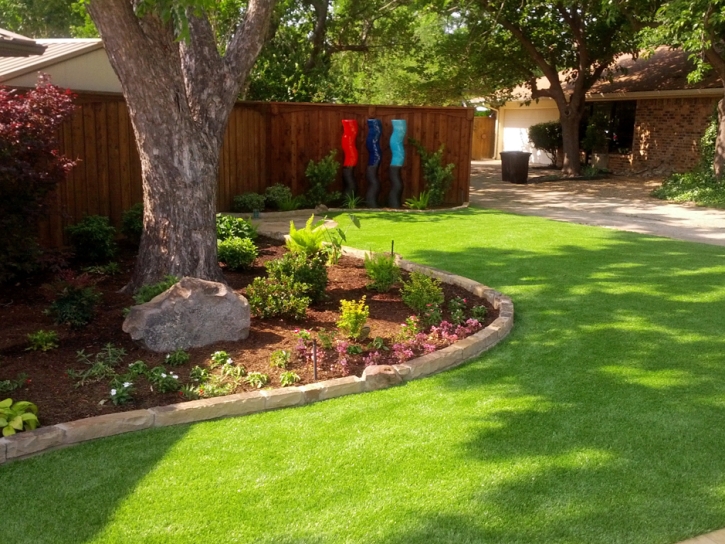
[516, 130]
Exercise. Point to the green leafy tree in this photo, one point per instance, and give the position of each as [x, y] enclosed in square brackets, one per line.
[46, 18]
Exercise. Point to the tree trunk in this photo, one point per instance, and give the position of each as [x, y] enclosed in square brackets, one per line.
[571, 166]
[719, 159]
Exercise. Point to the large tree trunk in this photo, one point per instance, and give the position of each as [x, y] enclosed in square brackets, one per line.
[571, 166]
[179, 94]
[719, 160]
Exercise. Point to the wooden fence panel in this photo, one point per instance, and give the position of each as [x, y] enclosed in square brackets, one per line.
[265, 143]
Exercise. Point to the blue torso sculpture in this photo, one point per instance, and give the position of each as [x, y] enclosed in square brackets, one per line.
[396, 146]
[372, 142]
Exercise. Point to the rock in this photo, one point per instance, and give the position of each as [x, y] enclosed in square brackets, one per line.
[192, 313]
[380, 377]
[320, 208]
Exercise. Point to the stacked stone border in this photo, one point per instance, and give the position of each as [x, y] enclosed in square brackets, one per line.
[29, 443]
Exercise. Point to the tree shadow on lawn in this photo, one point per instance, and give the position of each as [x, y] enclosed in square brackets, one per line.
[609, 394]
[74, 492]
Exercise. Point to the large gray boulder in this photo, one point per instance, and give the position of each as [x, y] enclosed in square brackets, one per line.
[190, 314]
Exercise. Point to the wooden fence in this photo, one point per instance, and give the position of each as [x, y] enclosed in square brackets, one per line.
[484, 134]
[265, 143]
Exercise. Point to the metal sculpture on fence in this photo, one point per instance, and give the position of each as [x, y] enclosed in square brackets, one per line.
[349, 133]
[396, 146]
[375, 130]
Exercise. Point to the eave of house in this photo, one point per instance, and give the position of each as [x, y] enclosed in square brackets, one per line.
[55, 51]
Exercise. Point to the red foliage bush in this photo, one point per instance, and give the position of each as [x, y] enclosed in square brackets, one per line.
[30, 168]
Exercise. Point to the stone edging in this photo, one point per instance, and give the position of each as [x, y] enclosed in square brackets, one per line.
[28, 443]
[306, 212]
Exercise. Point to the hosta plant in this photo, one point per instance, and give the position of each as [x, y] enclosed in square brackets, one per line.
[288, 378]
[257, 379]
[17, 416]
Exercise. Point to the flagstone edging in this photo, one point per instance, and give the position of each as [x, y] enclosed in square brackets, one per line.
[29, 443]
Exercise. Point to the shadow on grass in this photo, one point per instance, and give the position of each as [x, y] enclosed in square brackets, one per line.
[73, 493]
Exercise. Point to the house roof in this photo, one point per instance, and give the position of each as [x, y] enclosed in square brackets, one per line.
[15, 45]
[665, 71]
[55, 51]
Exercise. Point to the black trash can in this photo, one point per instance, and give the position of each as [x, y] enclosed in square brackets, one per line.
[515, 166]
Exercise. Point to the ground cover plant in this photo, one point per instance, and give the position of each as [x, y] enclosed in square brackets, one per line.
[598, 420]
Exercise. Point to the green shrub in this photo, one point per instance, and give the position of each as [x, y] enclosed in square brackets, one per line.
[132, 223]
[424, 295]
[74, 300]
[276, 194]
[438, 178]
[479, 312]
[382, 271]
[307, 240]
[248, 202]
[17, 416]
[353, 316]
[272, 297]
[237, 253]
[42, 341]
[321, 175]
[92, 239]
[147, 292]
[547, 137]
[310, 271]
[234, 227]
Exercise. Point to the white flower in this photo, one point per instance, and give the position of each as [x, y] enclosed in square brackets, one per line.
[175, 376]
[127, 384]
[163, 375]
[168, 355]
[229, 361]
[113, 392]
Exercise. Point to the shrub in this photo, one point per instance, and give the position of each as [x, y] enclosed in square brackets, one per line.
[17, 416]
[382, 271]
[31, 168]
[321, 175]
[276, 194]
[307, 240]
[132, 223]
[234, 227]
[353, 316]
[42, 341]
[147, 292]
[248, 202]
[271, 297]
[438, 178]
[236, 253]
[424, 295]
[92, 239]
[547, 137]
[74, 299]
[310, 271]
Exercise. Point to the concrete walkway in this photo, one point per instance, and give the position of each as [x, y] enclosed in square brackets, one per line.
[621, 203]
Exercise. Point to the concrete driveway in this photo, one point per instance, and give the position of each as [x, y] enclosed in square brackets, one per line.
[619, 202]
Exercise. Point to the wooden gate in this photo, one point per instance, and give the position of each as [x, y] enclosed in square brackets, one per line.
[484, 133]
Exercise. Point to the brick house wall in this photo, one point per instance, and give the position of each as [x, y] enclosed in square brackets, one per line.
[666, 135]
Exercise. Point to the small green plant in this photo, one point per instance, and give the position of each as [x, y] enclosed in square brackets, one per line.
[101, 365]
[378, 343]
[92, 239]
[424, 295]
[321, 175]
[177, 358]
[74, 299]
[209, 390]
[420, 202]
[137, 368]
[336, 236]
[288, 378]
[354, 349]
[592, 172]
[353, 316]
[199, 375]
[479, 312]
[11, 385]
[257, 379]
[234, 227]
[438, 178]
[457, 309]
[17, 416]
[122, 394]
[132, 223]
[303, 269]
[280, 358]
[237, 253]
[350, 201]
[219, 358]
[326, 338]
[248, 202]
[110, 269]
[42, 341]
[232, 374]
[271, 297]
[382, 271]
[307, 240]
[148, 292]
[163, 381]
[291, 203]
[409, 329]
[190, 392]
[276, 194]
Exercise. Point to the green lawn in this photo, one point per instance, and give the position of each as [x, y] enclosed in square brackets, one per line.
[601, 419]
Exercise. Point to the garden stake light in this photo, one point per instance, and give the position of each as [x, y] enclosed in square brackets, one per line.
[314, 359]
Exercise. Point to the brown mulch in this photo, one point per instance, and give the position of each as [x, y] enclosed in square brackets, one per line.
[59, 400]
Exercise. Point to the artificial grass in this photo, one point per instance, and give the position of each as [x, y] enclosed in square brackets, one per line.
[598, 420]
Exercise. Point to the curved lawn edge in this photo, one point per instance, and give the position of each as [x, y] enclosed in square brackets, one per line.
[61, 435]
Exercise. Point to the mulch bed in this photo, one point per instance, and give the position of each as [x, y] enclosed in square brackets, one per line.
[59, 400]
